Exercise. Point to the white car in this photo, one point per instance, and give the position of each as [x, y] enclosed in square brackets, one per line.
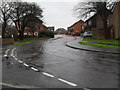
[87, 34]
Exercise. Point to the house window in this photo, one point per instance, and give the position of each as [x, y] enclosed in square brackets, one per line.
[36, 33]
[25, 33]
[36, 27]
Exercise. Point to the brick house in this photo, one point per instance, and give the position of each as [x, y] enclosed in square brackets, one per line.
[60, 31]
[51, 28]
[28, 32]
[90, 23]
[40, 28]
[77, 27]
[114, 21]
[95, 24]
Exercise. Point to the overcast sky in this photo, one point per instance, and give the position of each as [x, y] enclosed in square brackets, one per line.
[58, 14]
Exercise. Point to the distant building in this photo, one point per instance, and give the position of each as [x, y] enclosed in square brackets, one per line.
[77, 27]
[51, 28]
[60, 31]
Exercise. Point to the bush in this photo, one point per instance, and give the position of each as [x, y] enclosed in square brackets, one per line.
[46, 34]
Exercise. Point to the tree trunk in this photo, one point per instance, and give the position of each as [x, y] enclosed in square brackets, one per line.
[33, 34]
[3, 33]
[3, 29]
[104, 19]
[105, 23]
[21, 36]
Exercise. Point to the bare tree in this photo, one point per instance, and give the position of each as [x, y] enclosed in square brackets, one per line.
[22, 13]
[34, 24]
[4, 16]
[85, 9]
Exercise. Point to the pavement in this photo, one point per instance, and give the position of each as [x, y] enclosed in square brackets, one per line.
[75, 44]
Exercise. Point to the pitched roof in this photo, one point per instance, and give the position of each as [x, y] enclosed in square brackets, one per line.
[77, 22]
[115, 4]
[90, 17]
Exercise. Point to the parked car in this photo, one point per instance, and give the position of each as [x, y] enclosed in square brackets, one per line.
[87, 34]
[75, 34]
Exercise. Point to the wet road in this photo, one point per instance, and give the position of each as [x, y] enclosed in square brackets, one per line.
[51, 64]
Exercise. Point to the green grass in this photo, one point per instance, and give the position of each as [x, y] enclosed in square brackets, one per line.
[99, 45]
[102, 41]
[22, 43]
[29, 40]
[6, 41]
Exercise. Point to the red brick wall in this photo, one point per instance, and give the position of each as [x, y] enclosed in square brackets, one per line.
[78, 26]
[43, 27]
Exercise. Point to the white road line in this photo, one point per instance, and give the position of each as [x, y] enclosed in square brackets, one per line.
[7, 51]
[5, 55]
[70, 83]
[26, 64]
[15, 58]
[47, 74]
[34, 69]
[12, 51]
[10, 85]
[17, 86]
[20, 61]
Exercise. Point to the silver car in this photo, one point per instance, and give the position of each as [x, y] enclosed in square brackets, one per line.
[87, 34]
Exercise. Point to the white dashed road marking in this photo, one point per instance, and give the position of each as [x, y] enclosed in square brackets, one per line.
[34, 69]
[15, 58]
[47, 74]
[70, 83]
[44, 73]
[5, 55]
[26, 64]
[20, 61]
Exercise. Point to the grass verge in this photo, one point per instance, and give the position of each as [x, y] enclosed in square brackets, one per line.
[102, 41]
[5, 41]
[29, 40]
[99, 45]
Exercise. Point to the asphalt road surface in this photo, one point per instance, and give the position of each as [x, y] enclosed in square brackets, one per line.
[51, 64]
